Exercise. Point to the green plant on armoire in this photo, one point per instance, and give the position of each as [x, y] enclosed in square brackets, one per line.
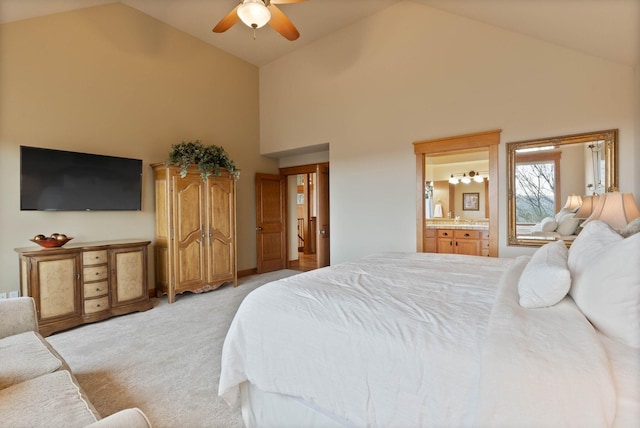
[209, 159]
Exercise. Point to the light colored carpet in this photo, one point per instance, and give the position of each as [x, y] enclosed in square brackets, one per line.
[166, 361]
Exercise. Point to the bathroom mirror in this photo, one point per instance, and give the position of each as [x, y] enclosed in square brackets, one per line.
[551, 177]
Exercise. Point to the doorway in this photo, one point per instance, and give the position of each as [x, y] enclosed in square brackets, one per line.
[303, 208]
[288, 234]
[481, 141]
[307, 216]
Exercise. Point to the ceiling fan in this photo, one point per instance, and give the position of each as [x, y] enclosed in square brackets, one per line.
[257, 13]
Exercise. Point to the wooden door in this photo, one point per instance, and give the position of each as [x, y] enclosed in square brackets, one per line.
[222, 229]
[128, 276]
[322, 207]
[270, 222]
[189, 235]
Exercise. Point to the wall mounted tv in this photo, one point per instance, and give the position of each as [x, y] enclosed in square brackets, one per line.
[57, 180]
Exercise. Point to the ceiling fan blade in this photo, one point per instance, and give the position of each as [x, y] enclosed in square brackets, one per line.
[228, 21]
[282, 24]
[286, 1]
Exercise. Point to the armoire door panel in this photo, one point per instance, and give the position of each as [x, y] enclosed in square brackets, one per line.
[221, 197]
[190, 266]
[189, 202]
[222, 258]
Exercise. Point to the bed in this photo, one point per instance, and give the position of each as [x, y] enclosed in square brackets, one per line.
[440, 340]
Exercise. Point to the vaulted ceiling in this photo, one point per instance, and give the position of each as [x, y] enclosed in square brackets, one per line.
[608, 29]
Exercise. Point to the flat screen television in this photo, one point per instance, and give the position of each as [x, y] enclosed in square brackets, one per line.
[57, 180]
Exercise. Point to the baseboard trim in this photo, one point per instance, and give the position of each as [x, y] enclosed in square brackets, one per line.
[247, 272]
[293, 264]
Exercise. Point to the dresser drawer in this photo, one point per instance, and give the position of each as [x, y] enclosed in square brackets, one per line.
[94, 257]
[96, 305]
[96, 289]
[445, 233]
[466, 234]
[98, 273]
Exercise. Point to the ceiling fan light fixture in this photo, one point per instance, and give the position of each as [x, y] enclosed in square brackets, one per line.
[254, 13]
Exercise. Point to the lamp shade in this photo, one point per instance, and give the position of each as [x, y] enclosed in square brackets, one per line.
[588, 204]
[254, 13]
[573, 202]
[615, 209]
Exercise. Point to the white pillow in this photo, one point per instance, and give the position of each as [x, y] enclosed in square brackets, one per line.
[546, 278]
[548, 224]
[567, 224]
[605, 272]
[632, 228]
[562, 212]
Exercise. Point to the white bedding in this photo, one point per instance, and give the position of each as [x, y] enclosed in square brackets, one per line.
[542, 367]
[399, 340]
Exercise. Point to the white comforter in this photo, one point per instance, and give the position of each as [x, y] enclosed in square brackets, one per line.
[398, 340]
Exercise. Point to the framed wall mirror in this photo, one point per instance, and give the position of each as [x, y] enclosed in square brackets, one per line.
[553, 183]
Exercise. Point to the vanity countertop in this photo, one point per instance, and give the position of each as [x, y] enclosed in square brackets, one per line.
[457, 225]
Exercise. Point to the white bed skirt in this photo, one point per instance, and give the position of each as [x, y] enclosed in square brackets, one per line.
[267, 409]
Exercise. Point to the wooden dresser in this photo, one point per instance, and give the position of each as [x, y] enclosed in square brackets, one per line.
[83, 283]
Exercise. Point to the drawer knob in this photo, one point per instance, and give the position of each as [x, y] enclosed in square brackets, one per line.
[97, 273]
[97, 257]
[445, 234]
[97, 289]
[466, 234]
[98, 305]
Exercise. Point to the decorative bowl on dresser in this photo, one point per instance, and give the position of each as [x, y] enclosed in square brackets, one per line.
[49, 242]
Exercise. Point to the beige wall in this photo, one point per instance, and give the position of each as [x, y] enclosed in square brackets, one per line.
[637, 136]
[414, 73]
[113, 81]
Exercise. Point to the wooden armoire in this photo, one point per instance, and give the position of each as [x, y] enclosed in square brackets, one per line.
[195, 231]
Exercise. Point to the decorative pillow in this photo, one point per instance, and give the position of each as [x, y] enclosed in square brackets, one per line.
[632, 228]
[567, 224]
[546, 278]
[605, 284]
[548, 224]
[562, 212]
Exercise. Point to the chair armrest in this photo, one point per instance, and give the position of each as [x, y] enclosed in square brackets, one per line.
[128, 418]
[17, 315]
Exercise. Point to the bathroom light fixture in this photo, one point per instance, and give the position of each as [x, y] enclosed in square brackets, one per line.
[476, 176]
